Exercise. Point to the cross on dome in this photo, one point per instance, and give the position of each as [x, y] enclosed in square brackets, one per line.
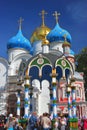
[43, 13]
[20, 22]
[56, 16]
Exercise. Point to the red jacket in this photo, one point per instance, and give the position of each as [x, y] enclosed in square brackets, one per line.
[85, 124]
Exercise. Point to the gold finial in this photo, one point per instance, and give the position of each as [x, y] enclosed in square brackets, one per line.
[56, 16]
[65, 35]
[43, 13]
[20, 22]
[45, 41]
[53, 71]
[66, 43]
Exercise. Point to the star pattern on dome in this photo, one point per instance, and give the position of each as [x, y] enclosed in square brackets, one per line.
[57, 33]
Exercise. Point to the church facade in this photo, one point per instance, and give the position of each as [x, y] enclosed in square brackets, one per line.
[49, 64]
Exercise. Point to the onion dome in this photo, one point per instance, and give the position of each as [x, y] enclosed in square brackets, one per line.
[72, 52]
[41, 31]
[57, 34]
[66, 43]
[19, 41]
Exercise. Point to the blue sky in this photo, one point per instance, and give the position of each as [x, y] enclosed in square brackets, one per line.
[73, 18]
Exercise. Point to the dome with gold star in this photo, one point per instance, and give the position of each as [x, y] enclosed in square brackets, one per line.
[40, 32]
[57, 34]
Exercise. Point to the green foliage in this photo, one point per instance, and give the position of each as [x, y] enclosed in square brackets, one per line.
[81, 61]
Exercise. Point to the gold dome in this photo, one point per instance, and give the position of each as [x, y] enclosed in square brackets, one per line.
[40, 33]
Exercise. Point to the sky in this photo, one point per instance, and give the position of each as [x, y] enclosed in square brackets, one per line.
[73, 18]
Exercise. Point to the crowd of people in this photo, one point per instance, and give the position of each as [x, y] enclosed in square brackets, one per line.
[35, 122]
[45, 122]
[9, 122]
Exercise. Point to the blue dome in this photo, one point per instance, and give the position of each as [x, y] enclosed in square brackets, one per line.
[31, 51]
[57, 34]
[72, 52]
[19, 41]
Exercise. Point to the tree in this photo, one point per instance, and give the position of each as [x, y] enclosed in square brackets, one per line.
[81, 65]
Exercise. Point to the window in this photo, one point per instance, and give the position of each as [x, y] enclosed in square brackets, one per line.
[77, 93]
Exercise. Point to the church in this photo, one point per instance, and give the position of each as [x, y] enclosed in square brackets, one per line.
[37, 76]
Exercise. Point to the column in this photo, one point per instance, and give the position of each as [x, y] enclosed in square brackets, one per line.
[18, 103]
[31, 95]
[54, 97]
[72, 80]
[54, 93]
[51, 100]
[26, 100]
[73, 102]
[69, 102]
[19, 84]
[74, 120]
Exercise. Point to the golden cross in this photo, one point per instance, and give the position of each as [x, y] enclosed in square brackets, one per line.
[20, 22]
[56, 16]
[43, 13]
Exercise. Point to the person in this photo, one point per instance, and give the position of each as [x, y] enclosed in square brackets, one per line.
[10, 122]
[46, 122]
[80, 124]
[56, 124]
[18, 126]
[1, 124]
[63, 123]
[85, 124]
[39, 123]
[33, 121]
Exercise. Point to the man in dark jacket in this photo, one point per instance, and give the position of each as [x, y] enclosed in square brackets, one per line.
[33, 121]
